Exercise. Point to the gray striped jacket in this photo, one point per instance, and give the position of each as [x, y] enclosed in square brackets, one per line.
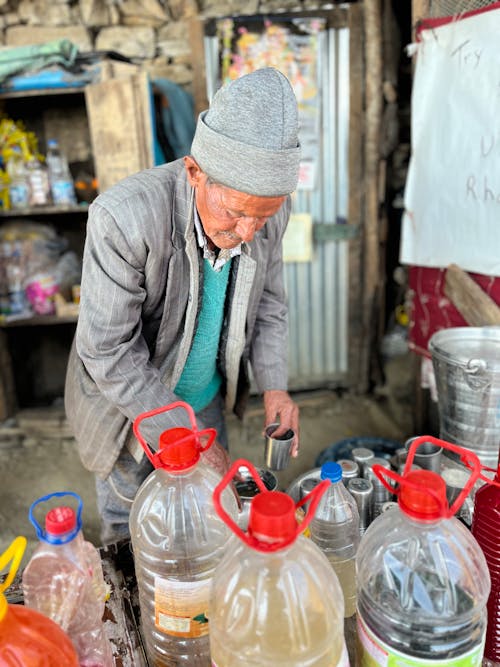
[139, 302]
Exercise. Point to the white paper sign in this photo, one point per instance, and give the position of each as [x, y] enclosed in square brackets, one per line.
[452, 195]
[298, 238]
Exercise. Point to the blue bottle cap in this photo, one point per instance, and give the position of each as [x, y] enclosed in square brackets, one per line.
[331, 470]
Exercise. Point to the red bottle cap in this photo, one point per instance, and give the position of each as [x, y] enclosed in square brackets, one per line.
[60, 520]
[423, 495]
[178, 448]
[272, 517]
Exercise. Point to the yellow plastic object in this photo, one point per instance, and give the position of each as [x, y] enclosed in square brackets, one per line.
[15, 554]
[402, 316]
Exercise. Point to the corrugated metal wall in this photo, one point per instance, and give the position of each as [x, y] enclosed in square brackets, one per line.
[318, 290]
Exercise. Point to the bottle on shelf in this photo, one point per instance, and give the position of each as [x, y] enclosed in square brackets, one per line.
[38, 183]
[335, 529]
[423, 581]
[13, 254]
[61, 182]
[18, 180]
[275, 598]
[64, 581]
[27, 637]
[177, 540]
[486, 529]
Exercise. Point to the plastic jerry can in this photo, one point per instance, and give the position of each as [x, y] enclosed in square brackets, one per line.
[275, 598]
[423, 581]
[177, 540]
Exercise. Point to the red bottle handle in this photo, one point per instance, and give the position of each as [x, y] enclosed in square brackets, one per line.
[314, 496]
[483, 478]
[153, 456]
[469, 458]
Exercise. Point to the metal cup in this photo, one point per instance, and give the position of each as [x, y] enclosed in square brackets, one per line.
[363, 456]
[247, 489]
[279, 448]
[427, 455]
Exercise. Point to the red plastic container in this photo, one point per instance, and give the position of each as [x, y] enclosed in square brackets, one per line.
[486, 529]
[27, 637]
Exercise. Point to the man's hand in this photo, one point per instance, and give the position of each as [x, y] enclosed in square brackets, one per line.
[217, 458]
[279, 407]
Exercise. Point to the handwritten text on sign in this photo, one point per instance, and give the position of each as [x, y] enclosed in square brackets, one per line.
[452, 196]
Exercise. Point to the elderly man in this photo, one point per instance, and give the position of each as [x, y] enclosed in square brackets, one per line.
[182, 288]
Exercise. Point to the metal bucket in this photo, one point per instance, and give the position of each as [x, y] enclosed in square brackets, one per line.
[466, 363]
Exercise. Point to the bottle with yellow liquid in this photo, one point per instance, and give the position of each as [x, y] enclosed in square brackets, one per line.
[177, 540]
[275, 599]
[335, 529]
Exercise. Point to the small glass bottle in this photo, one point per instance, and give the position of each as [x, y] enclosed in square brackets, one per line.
[38, 182]
[18, 180]
[61, 181]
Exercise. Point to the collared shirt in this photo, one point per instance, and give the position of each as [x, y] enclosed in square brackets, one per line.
[217, 260]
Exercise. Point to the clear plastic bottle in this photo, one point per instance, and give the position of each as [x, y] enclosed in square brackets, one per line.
[423, 581]
[15, 278]
[38, 182]
[177, 540]
[26, 636]
[64, 581]
[61, 181]
[486, 529]
[335, 529]
[276, 601]
[18, 180]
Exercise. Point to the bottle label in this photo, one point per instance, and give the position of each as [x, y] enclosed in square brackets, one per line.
[19, 195]
[373, 652]
[63, 192]
[181, 607]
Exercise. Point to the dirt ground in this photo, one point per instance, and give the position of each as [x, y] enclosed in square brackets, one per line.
[31, 467]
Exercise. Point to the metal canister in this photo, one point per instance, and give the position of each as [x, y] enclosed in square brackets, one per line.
[363, 457]
[350, 469]
[362, 491]
[307, 485]
[380, 494]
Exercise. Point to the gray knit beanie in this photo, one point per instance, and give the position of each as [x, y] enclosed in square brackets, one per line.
[248, 138]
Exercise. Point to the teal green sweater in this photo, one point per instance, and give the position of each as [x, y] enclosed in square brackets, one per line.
[200, 380]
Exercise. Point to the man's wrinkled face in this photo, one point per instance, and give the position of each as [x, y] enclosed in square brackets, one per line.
[229, 217]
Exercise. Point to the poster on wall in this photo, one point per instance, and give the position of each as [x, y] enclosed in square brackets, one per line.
[289, 44]
[452, 195]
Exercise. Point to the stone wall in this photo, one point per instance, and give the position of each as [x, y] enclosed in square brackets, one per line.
[153, 33]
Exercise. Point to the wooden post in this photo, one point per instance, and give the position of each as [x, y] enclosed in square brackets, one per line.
[419, 10]
[371, 250]
[198, 64]
[356, 191]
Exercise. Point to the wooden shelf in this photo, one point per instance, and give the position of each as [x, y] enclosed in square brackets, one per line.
[41, 92]
[44, 210]
[35, 320]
